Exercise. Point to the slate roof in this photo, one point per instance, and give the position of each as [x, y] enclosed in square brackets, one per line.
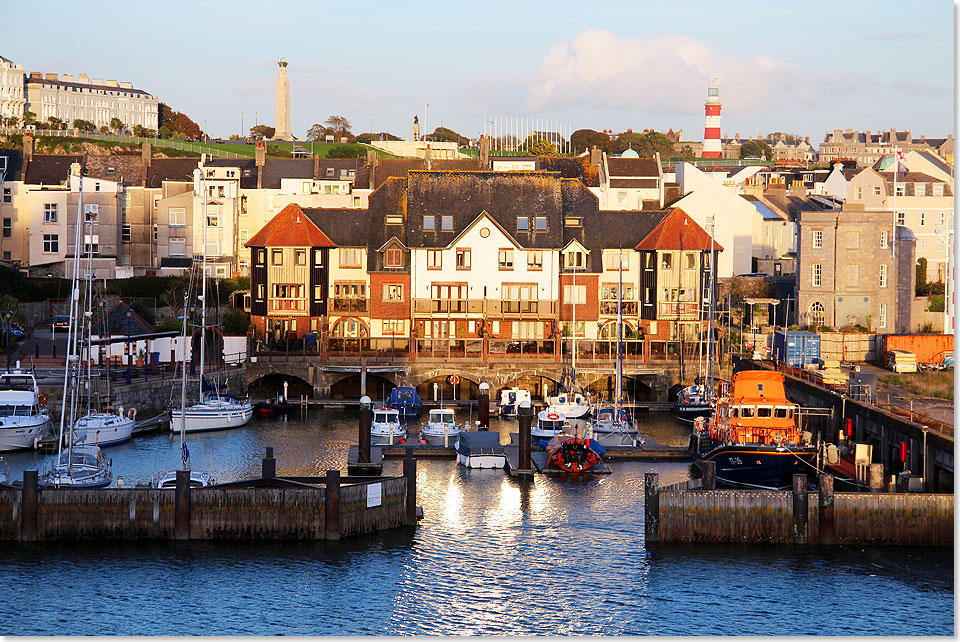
[171, 169]
[50, 169]
[14, 163]
[248, 169]
[291, 227]
[567, 167]
[677, 231]
[633, 167]
[909, 179]
[937, 162]
[126, 168]
[27, 80]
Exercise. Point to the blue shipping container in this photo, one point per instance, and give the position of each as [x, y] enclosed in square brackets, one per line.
[796, 347]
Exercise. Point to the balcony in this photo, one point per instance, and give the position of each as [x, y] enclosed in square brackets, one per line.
[676, 309]
[287, 305]
[610, 308]
[352, 305]
[486, 307]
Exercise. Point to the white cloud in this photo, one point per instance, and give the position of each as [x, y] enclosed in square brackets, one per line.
[670, 74]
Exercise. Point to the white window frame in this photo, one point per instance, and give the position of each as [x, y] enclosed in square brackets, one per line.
[884, 239]
[816, 278]
[883, 275]
[177, 217]
[51, 243]
[49, 212]
[177, 240]
[817, 239]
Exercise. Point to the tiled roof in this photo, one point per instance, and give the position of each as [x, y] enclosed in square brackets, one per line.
[50, 169]
[677, 231]
[290, 228]
[27, 80]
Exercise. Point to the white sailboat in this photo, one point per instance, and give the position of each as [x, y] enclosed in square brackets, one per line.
[571, 402]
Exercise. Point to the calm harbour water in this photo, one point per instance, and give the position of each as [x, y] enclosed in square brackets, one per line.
[492, 556]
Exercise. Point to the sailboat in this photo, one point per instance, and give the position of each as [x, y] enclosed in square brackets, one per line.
[571, 401]
[80, 465]
[216, 410]
[612, 426]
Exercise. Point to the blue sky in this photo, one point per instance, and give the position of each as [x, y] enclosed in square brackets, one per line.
[801, 67]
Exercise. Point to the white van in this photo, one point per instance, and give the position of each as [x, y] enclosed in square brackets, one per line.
[901, 361]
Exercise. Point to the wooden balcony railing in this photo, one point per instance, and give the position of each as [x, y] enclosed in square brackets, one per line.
[288, 305]
[610, 308]
[673, 309]
[350, 305]
[486, 307]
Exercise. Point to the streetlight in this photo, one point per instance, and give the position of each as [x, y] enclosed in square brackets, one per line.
[7, 315]
[129, 350]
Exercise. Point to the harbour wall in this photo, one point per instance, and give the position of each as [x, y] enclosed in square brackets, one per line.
[688, 513]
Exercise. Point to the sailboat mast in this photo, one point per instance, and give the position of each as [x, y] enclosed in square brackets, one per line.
[573, 367]
[619, 338]
[203, 288]
[183, 377]
[71, 332]
[710, 319]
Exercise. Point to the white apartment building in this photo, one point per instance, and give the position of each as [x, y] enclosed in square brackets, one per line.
[95, 100]
[12, 98]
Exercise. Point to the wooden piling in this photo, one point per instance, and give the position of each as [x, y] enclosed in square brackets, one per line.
[181, 510]
[410, 472]
[708, 479]
[269, 467]
[332, 505]
[651, 507]
[524, 418]
[28, 507]
[366, 420]
[483, 408]
[800, 507]
[825, 518]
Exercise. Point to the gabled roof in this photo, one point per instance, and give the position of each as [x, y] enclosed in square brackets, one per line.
[171, 169]
[677, 231]
[290, 228]
[14, 164]
[481, 216]
[126, 168]
[50, 169]
[633, 167]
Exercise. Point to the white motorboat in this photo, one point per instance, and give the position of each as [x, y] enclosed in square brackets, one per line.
[198, 479]
[104, 428]
[510, 400]
[80, 466]
[549, 424]
[386, 429]
[572, 404]
[480, 449]
[441, 428]
[23, 419]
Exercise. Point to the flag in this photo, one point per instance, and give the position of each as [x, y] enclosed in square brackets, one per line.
[184, 454]
[901, 167]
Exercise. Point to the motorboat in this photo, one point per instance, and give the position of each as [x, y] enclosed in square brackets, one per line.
[754, 435]
[80, 466]
[23, 419]
[272, 407]
[548, 425]
[480, 449]
[104, 428]
[217, 411]
[441, 428]
[385, 428]
[572, 404]
[693, 402]
[573, 454]
[613, 427]
[198, 479]
[510, 400]
[406, 401]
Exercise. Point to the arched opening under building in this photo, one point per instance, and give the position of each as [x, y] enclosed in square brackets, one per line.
[540, 387]
[440, 388]
[212, 348]
[271, 386]
[350, 387]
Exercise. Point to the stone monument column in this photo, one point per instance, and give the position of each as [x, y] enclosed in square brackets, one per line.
[283, 104]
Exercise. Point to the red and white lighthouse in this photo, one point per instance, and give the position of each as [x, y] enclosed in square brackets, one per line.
[711, 131]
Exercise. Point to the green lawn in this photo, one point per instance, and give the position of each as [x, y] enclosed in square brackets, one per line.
[925, 384]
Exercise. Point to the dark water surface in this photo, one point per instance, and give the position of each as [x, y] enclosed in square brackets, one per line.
[492, 556]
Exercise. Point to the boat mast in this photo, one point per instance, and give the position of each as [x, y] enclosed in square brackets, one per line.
[183, 377]
[710, 319]
[573, 367]
[203, 288]
[619, 339]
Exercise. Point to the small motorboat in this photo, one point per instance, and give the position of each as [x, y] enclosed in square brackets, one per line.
[386, 429]
[272, 407]
[441, 428]
[198, 479]
[549, 424]
[406, 401]
[573, 454]
[481, 449]
[692, 402]
[510, 400]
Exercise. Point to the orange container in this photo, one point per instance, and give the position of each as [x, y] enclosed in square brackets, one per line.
[929, 348]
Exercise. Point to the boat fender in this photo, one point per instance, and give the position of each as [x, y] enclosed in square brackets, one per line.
[132, 413]
[401, 441]
[42, 399]
[903, 452]
[849, 428]
[596, 447]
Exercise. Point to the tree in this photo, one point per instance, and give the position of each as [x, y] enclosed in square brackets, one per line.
[541, 147]
[922, 287]
[84, 125]
[444, 135]
[756, 148]
[235, 322]
[29, 117]
[12, 121]
[346, 151]
[56, 123]
[143, 132]
[584, 139]
[104, 130]
[339, 126]
[369, 137]
[686, 153]
[647, 144]
[318, 132]
[262, 131]
[117, 125]
[176, 123]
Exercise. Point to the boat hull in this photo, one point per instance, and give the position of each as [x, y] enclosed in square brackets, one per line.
[23, 435]
[436, 439]
[103, 429]
[384, 438]
[265, 409]
[766, 466]
[482, 461]
[688, 413]
[210, 418]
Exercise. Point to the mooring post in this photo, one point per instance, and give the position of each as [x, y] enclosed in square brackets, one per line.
[651, 507]
[876, 477]
[826, 509]
[483, 407]
[29, 498]
[524, 417]
[181, 510]
[363, 440]
[410, 472]
[708, 479]
[331, 507]
[269, 465]
[799, 509]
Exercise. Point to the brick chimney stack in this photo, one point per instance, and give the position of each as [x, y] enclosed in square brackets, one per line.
[484, 153]
[316, 167]
[596, 156]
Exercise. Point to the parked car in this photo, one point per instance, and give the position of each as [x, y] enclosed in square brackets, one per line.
[61, 321]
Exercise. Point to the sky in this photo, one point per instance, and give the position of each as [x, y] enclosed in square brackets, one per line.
[801, 67]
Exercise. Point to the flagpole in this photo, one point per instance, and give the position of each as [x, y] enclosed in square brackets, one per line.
[896, 170]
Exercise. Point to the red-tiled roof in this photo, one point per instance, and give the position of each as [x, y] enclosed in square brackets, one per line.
[290, 227]
[677, 231]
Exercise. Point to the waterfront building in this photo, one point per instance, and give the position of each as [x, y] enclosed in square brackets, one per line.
[94, 100]
[12, 97]
[866, 148]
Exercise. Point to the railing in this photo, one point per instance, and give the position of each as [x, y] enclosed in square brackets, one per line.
[610, 307]
[292, 305]
[450, 348]
[521, 348]
[678, 308]
[604, 349]
[489, 307]
[350, 305]
[342, 348]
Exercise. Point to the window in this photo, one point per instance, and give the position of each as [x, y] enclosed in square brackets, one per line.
[91, 243]
[276, 257]
[287, 290]
[577, 330]
[882, 321]
[243, 205]
[243, 237]
[938, 189]
[220, 191]
[393, 292]
[691, 261]
[816, 313]
[922, 219]
[573, 221]
[523, 223]
[876, 190]
[817, 274]
[434, 259]
[940, 219]
[534, 259]
[575, 259]
[7, 228]
[446, 223]
[621, 198]
[463, 258]
[920, 189]
[394, 327]
[213, 247]
[883, 275]
[429, 223]
[91, 213]
[901, 190]
[50, 213]
[505, 259]
[901, 218]
[318, 293]
[614, 257]
[125, 233]
[51, 243]
[350, 257]
[318, 258]
[817, 239]
[178, 217]
[574, 296]
[921, 244]
[7, 195]
[393, 258]
[527, 329]
[884, 239]
[540, 224]
[178, 246]
[858, 193]
[156, 233]
[666, 261]
[300, 257]
[394, 220]
[213, 220]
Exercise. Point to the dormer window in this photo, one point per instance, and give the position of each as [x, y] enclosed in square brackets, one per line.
[523, 223]
[920, 189]
[938, 189]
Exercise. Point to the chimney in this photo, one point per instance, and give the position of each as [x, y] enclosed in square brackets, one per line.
[372, 164]
[596, 156]
[484, 153]
[66, 78]
[426, 156]
[36, 75]
[50, 77]
[316, 167]
[923, 138]
[260, 161]
[83, 79]
[147, 152]
[27, 148]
